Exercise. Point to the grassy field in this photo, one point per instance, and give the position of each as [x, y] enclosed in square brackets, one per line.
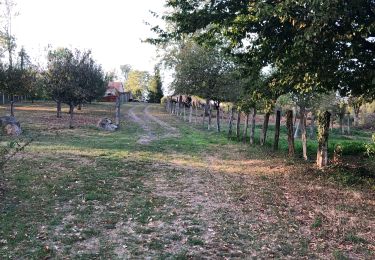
[163, 189]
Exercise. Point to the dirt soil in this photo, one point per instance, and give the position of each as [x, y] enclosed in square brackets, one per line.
[209, 198]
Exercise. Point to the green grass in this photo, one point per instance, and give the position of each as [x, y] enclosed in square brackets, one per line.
[85, 194]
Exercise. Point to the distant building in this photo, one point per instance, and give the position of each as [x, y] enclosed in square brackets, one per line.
[115, 89]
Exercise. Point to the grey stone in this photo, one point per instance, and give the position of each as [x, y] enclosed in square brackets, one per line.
[107, 125]
[10, 126]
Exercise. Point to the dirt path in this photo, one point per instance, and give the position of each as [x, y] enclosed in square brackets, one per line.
[230, 205]
[148, 123]
[148, 136]
[174, 192]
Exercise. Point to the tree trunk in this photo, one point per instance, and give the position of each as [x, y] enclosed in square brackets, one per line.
[253, 122]
[356, 116]
[209, 117]
[12, 106]
[205, 112]
[184, 111]
[277, 130]
[58, 109]
[323, 132]
[294, 116]
[303, 132]
[117, 112]
[289, 126]
[348, 124]
[71, 112]
[196, 114]
[296, 132]
[244, 137]
[238, 124]
[263, 136]
[312, 127]
[342, 124]
[190, 113]
[218, 118]
[230, 125]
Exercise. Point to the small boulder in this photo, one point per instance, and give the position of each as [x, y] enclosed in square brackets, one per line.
[13, 130]
[107, 125]
[10, 126]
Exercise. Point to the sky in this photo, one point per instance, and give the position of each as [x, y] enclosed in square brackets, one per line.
[112, 29]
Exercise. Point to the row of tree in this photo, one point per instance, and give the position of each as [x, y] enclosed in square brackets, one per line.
[71, 76]
[251, 53]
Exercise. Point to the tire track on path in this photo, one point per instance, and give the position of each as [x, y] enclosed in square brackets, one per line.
[145, 124]
[170, 130]
[149, 136]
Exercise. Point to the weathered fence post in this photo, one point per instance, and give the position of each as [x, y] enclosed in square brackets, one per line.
[218, 117]
[230, 124]
[209, 116]
[244, 137]
[190, 112]
[253, 125]
[238, 123]
[263, 136]
[117, 113]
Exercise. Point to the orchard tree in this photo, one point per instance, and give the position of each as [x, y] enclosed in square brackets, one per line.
[16, 77]
[290, 34]
[73, 78]
[205, 72]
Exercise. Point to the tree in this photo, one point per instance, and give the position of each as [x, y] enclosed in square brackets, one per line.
[356, 103]
[137, 83]
[36, 88]
[155, 87]
[73, 78]
[205, 72]
[289, 34]
[16, 78]
[125, 70]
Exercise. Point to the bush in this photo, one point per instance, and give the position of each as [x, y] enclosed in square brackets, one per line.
[163, 100]
[370, 148]
[350, 148]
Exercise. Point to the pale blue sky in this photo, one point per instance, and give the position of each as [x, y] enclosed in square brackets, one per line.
[112, 29]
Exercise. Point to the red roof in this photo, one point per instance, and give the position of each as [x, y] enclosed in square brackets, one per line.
[114, 88]
[116, 85]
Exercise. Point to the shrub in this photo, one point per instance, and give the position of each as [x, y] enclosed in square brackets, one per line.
[370, 148]
[163, 100]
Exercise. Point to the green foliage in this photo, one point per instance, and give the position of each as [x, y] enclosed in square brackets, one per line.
[137, 83]
[73, 77]
[155, 87]
[370, 148]
[163, 100]
[205, 72]
[289, 35]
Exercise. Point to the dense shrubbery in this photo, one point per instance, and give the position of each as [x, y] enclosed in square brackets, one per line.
[370, 148]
